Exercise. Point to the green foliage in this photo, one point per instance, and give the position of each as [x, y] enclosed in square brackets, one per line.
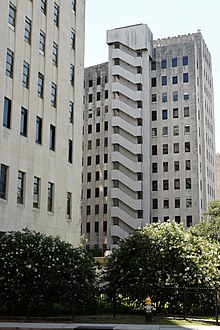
[210, 228]
[162, 255]
[43, 269]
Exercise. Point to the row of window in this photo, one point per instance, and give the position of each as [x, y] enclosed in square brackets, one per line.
[97, 159]
[21, 183]
[164, 113]
[175, 96]
[174, 63]
[43, 7]
[97, 127]
[176, 184]
[186, 130]
[176, 202]
[177, 219]
[97, 192]
[176, 166]
[99, 81]
[39, 127]
[176, 148]
[96, 225]
[164, 80]
[98, 96]
[97, 143]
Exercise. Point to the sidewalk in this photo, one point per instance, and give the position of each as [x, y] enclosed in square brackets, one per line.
[88, 326]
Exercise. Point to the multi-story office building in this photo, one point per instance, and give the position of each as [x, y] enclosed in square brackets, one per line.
[149, 149]
[217, 176]
[41, 91]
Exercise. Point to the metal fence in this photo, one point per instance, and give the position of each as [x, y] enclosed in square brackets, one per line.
[184, 302]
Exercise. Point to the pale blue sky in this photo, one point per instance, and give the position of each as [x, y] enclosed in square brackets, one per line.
[165, 18]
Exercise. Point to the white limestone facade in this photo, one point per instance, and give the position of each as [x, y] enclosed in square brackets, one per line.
[217, 176]
[41, 91]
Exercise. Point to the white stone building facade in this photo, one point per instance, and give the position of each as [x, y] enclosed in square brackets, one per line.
[159, 146]
[41, 92]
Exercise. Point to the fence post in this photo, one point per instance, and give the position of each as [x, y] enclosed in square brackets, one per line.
[216, 305]
[184, 303]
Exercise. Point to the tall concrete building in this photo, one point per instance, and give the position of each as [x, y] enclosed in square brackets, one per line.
[159, 150]
[218, 176]
[41, 92]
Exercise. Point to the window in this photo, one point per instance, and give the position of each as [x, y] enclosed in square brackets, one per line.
[187, 146]
[105, 158]
[153, 82]
[43, 6]
[188, 202]
[88, 210]
[175, 130]
[89, 144]
[72, 39]
[42, 41]
[70, 151]
[174, 62]
[96, 227]
[73, 5]
[188, 183]
[96, 209]
[154, 131]
[55, 54]
[177, 202]
[88, 194]
[50, 197]
[105, 174]
[38, 130]
[98, 96]
[97, 175]
[96, 192]
[105, 141]
[165, 166]
[3, 181]
[52, 138]
[186, 111]
[154, 185]
[164, 97]
[27, 31]
[155, 203]
[89, 160]
[9, 63]
[186, 96]
[175, 113]
[164, 114]
[176, 148]
[97, 143]
[185, 60]
[176, 165]
[176, 184]
[188, 220]
[153, 65]
[165, 219]
[166, 203]
[87, 227]
[40, 88]
[154, 98]
[97, 159]
[105, 226]
[90, 98]
[155, 219]
[53, 95]
[105, 191]
[188, 164]
[72, 70]
[36, 193]
[185, 77]
[56, 14]
[25, 77]
[89, 128]
[165, 131]
[98, 127]
[12, 15]
[154, 150]
[175, 95]
[23, 121]
[89, 177]
[177, 219]
[98, 81]
[7, 113]
[164, 80]
[71, 112]
[163, 64]
[106, 126]
[186, 129]
[154, 167]
[68, 205]
[165, 149]
[154, 115]
[165, 185]
[175, 79]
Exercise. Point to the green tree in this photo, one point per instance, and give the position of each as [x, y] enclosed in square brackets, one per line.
[160, 256]
[39, 269]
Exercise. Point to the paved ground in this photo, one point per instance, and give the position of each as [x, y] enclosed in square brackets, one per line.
[81, 326]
